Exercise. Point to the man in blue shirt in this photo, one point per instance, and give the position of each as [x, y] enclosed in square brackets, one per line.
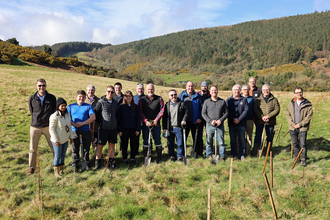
[82, 114]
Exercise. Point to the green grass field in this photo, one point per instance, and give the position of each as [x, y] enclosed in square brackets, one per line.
[161, 191]
[169, 78]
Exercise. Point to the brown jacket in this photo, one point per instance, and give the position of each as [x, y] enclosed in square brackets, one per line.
[305, 115]
[94, 126]
[270, 109]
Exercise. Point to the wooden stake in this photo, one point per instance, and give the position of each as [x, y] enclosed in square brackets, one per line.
[270, 197]
[41, 195]
[262, 149]
[266, 156]
[294, 164]
[230, 175]
[279, 130]
[209, 205]
[271, 168]
[291, 150]
[286, 133]
[173, 189]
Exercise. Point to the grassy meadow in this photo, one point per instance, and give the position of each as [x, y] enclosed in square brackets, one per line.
[161, 191]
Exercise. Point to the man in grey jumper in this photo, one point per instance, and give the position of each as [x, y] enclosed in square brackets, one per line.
[215, 113]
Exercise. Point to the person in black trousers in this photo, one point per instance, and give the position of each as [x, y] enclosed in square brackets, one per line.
[129, 126]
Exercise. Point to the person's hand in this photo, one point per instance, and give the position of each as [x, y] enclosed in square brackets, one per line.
[79, 124]
[148, 124]
[154, 123]
[137, 133]
[198, 121]
[213, 122]
[218, 122]
[71, 140]
[57, 144]
[236, 121]
[183, 123]
[120, 134]
[297, 126]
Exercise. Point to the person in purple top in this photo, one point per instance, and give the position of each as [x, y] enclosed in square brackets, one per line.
[82, 114]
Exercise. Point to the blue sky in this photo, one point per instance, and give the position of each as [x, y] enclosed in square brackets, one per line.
[38, 22]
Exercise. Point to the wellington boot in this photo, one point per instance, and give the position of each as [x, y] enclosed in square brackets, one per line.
[159, 154]
[61, 168]
[56, 172]
[97, 164]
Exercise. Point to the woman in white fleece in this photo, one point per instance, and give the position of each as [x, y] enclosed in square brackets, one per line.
[60, 132]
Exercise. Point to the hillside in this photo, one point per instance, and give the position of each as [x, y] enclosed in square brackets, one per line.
[228, 51]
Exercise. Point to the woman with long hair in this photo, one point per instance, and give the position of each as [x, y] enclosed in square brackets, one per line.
[60, 132]
[129, 126]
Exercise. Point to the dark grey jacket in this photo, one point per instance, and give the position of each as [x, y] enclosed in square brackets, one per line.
[214, 110]
[106, 114]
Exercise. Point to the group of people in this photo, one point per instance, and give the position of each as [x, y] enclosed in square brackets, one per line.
[97, 121]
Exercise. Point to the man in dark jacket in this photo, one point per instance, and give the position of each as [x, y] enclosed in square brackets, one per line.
[254, 91]
[118, 96]
[42, 104]
[194, 103]
[106, 115]
[237, 112]
[299, 114]
[265, 110]
[152, 110]
[175, 116]
[215, 113]
[140, 93]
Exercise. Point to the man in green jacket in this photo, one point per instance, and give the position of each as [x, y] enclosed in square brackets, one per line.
[265, 109]
[299, 114]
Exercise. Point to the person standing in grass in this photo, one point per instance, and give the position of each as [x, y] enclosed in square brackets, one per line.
[129, 126]
[140, 93]
[215, 112]
[237, 111]
[106, 114]
[205, 94]
[265, 110]
[249, 118]
[254, 91]
[42, 104]
[194, 103]
[151, 110]
[299, 114]
[82, 114]
[92, 99]
[60, 132]
[175, 116]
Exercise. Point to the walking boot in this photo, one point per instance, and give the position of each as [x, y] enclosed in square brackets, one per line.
[61, 168]
[159, 154]
[97, 164]
[56, 172]
[112, 164]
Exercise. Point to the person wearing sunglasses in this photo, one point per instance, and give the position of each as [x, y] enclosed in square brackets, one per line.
[106, 115]
[175, 116]
[42, 104]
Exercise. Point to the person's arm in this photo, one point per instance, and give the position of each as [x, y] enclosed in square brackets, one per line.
[52, 128]
[230, 117]
[257, 110]
[289, 117]
[142, 116]
[307, 118]
[161, 112]
[225, 112]
[205, 115]
[137, 118]
[30, 105]
[185, 117]
[119, 118]
[165, 116]
[276, 110]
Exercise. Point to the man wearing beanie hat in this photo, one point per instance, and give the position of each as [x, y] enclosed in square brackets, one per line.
[42, 104]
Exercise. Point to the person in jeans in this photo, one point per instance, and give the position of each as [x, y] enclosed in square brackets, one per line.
[129, 126]
[60, 132]
[249, 119]
[194, 103]
[215, 113]
[175, 116]
[237, 111]
[299, 114]
[82, 114]
[42, 104]
[265, 110]
[106, 114]
[151, 110]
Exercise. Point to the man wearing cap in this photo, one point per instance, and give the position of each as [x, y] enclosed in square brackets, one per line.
[42, 104]
[299, 114]
[194, 103]
[92, 99]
